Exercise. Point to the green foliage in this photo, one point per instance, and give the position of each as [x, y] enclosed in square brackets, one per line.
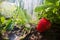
[9, 25]
[19, 17]
[2, 20]
[50, 9]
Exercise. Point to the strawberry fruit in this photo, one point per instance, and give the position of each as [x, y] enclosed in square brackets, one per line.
[43, 25]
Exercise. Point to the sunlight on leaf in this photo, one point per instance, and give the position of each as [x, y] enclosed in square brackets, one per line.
[2, 19]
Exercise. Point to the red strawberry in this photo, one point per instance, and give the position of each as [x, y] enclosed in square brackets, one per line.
[43, 25]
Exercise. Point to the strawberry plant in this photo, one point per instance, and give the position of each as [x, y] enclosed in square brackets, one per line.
[49, 9]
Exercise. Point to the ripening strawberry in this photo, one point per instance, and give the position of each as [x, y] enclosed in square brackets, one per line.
[43, 25]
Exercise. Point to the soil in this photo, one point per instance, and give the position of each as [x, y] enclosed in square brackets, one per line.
[33, 34]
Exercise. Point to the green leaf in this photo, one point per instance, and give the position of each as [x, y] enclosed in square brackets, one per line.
[2, 19]
[52, 1]
[40, 8]
[9, 25]
[57, 3]
[43, 7]
[54, 10]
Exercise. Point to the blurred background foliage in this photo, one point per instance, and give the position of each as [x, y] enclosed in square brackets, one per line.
[11, 15]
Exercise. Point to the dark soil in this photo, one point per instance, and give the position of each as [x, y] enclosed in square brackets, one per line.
[51, 34]
[33, 34]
